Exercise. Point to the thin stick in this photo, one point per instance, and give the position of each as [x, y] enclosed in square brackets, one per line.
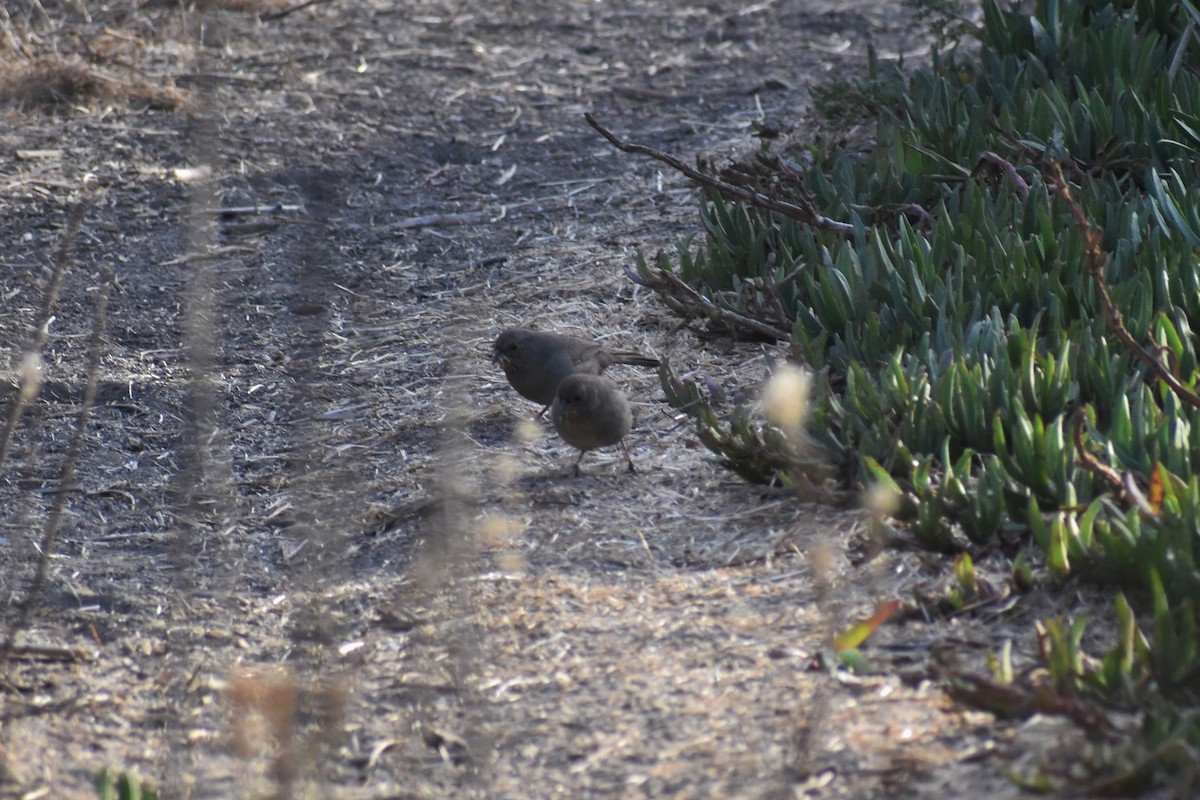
[41, 328]
[66, 482]
[773, 292]
[713, 311]
[1121, 484]
[273, 208]
[628, 460]
[1010, 170]
[290, 10]
[806, 214]
[24, 712]
[1105, 473]
[1112, 315]
[49, 653]
[434, 220]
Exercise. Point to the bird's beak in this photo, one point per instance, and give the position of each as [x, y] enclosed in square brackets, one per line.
[496, 355]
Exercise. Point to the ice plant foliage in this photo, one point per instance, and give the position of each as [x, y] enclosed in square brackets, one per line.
[1006, 338]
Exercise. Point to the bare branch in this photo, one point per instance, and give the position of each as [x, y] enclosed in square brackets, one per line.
[1010, 170]
[41, 328]
[290, 10]
[66, 481]
[713, 311]
[805, 214]
[1096, 260]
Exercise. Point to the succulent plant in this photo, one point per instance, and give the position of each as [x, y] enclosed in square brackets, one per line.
[1004, 329]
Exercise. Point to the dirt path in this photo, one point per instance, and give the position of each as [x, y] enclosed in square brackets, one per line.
[353, 577]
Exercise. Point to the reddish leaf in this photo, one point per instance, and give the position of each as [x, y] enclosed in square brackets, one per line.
[858, 633]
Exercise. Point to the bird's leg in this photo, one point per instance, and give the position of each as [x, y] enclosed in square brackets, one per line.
[628, 460]
[578, 473]
[542, 413]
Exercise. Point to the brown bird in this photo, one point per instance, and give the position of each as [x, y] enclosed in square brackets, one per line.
[536, 362]
[589, 411]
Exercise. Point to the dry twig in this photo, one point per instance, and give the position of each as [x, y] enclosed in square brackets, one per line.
[772, 288]
[67, 480]
[283, 12]
[1123, 485]
[1010, 170]
[433, 220]
[805, 214]
[708, 308]
[41, 327]
[1112, 315]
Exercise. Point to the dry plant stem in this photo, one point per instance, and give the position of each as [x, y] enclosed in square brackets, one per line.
[1035, 154]
[67, 706]
[437, 220]
[1123, 485]
[67, 481]
[1112, 314]
[772, 287]
[45, 653]
[787, 168]
[713, 311]
[1009, 170]
[41, 328]
[791, 276]
[272, 208]
[1119, 484]
[808, 216]
[1105, 473]
[628, 460]
[291, 10]
[215, 254]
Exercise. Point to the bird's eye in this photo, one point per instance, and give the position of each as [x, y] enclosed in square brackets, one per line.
[510, 347]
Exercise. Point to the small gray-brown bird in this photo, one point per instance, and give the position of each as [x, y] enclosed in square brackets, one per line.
[536, 362]
[589, 411]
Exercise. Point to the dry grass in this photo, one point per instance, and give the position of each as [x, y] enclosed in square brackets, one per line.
[54, 81]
